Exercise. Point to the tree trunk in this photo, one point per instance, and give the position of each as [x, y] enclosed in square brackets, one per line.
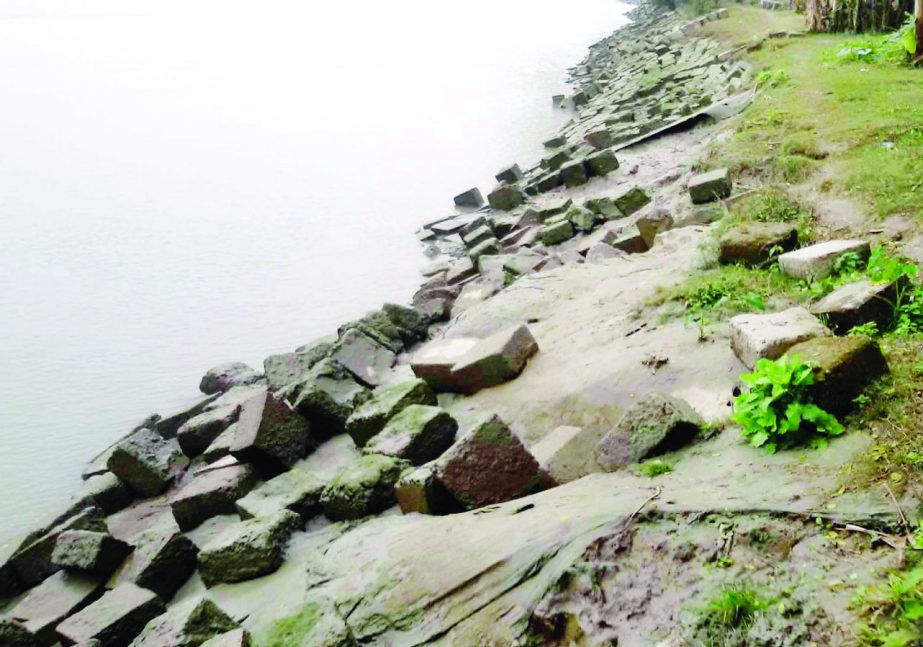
[918, 13]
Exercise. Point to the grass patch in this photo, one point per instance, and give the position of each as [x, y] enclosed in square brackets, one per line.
[864, 116]
[655, 467]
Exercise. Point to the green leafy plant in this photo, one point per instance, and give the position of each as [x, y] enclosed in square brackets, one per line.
[776, 411]
[772, 78]
[655, 467]
[893, 610]
[868, 329]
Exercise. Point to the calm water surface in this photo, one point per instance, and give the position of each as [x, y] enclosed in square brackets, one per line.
[184, 184]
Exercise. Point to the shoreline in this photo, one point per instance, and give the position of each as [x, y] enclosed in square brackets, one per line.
[469, 469]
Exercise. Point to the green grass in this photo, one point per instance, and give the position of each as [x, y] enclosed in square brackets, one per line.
[828, 112]
[655, 467]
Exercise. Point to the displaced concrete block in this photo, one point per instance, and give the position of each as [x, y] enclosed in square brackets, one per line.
[654, 425]
[470, 198]
[45, 606]
[857, 303]
[226, 376]
[556, 232]
[283, 370]
[196, 434]
[707, 187]
[506, 197]
[248, 549]
[819, 261]
[652, 224]
[294, 490]
[434, 361]
[768, 336]
[599, 139]
[843, 367]
[210, 494]
[86, 551]
[418, 434]
[568, 453]
[582, 219]
[477, 236]
[328, 396]
[573, 174]
[494, 360]
[753, 243]
[630, 241]
[162, 560]
[418, 491]
[489, 247]
[460, 270]
[363, 487]
[385, 403]
[147, 463]
[510, 174]
[187, 624]
[469, 470]
[604, 208]
[115, 619]
[630, 200]
[270, 435]
[602, 251]
[363, 356]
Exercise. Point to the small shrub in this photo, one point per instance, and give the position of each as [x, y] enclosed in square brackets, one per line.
[804, 144]
[736, 607]
[868, 329]
[772, 79]
[775, 411]
[894, 610]
[655, 467]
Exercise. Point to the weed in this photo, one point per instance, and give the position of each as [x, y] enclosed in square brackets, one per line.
[655, 467]
[772, 78]
[767, 206]
[776, 412]
[893, 610]
[736, 607]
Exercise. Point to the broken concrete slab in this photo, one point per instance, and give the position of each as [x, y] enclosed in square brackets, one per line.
[654, 425]
[819, 261]
[489, 464]
[769, 336]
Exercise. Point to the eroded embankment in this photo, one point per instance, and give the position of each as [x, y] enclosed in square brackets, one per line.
[552, 345]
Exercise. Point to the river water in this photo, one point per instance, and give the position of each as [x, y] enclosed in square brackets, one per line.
[189, 183]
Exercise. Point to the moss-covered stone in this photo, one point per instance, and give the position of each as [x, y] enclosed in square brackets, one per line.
[327, 396]
[573, 174]
[630, 200]
[188, 624]
[710, 186]
[362, 488]
[602, 163]
[753, 243]
[417, 434]
[843, 367]
[86, 551]
[385, 403]
[248, 549]
[554, 233]
[295, 490]
[582, 219]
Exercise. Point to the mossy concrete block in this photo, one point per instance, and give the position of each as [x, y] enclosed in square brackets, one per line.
[556, 232]
[287, 368]
[418, 434]
[210, 494]
[573, 174]
[582, 219]
[226, 376]
[819, 261]
[295, 490]
[602, 163]
[707, 187]
[105, 491]
[478, 236]
[753, 243]
[599, 139]
[652, 224]
[188, 624]
[115, 619]
[86, 551]
[364, 487]
[236, 638]
[147, 463]
[604, 208]
[270, 435]
[858, 303]
[385, 403]
[506, 197]
[434, 361]
[489, 247]
[631, 200]
[32, 559]
[248, 549]
[769, 336]
[843, 367]
[368, 359]
[630, 241]
[655, 424]
[197, 433]
[15, 634]
[489, 464]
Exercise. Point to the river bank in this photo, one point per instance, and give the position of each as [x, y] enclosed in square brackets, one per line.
[540, 451]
